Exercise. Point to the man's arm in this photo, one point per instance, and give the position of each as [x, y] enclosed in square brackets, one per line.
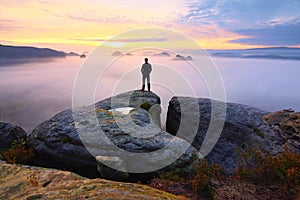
[143, 68]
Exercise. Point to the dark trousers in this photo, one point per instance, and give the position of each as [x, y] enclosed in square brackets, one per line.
[148, 82]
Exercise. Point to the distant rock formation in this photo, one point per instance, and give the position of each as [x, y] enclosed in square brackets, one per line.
[166, 54]
[73, 54]
[9, 133]
[189, 58]
[244, 128]
[117, 53]
[24, 182]
[16, 52]
[180, 57]
[57, 143]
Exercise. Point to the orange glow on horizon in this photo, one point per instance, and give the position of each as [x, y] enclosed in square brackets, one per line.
[81, 26]
[86, 45]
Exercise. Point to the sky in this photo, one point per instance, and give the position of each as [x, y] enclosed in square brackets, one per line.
[81, 25]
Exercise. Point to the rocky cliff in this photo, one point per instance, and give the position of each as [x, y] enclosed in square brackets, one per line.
[24, 182]
[133, 125]
[244, 128]
[58, 144]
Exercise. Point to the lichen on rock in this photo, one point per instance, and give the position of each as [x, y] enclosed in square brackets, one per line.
[24, 182]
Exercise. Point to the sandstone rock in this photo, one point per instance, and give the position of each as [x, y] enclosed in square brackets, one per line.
[23, 182]
[9, 133]
[57, 145]
[109, 173]
[243, 128]
[114, 138]
[287, 123]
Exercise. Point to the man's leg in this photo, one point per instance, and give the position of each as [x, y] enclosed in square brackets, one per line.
[143, 86]
[148, 81]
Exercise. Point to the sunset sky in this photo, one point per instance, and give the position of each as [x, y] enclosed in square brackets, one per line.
[81, 25]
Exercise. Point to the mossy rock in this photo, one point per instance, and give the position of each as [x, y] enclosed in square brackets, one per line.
[146, 106]
[21, 182]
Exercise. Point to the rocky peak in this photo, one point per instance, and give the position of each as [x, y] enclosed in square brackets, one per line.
[59, 144]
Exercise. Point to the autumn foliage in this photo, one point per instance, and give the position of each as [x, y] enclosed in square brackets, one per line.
[263, 168]
[18, 153]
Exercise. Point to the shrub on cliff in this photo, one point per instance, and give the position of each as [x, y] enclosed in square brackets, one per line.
[282, 169]
[203, 174]
[18, 153]
[200, 178]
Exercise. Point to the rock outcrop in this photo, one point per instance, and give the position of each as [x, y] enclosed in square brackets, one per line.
[57, 145]
[287, 123]
[9, 133]
[60, 144]
[24, 182]
[90, 140]
[244, 128]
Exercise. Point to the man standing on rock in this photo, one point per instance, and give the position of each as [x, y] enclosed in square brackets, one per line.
[146, 70]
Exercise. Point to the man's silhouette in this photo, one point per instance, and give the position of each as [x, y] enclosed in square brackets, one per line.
[146, 70]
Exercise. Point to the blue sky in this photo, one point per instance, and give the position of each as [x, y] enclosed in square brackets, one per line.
[265, 22]
[222, 24]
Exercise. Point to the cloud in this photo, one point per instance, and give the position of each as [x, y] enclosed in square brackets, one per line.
[237, 13]
[91, 17]
[122, 40]
[43, 2]
[276, 32]
[268, 22]
[9, 25]
[52, 13]
[6, 41]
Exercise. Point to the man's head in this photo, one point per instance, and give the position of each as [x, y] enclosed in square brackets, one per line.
[146, 60]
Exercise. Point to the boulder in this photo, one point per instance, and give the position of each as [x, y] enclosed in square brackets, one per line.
[107, 141]
[287, 123]
[244, 128]
[24, 182]
[9, 133]
[57, 145]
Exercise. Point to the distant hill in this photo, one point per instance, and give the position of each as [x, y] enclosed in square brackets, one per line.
[274, 48]
[283, 53]
[73, 54]
[16, 52]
